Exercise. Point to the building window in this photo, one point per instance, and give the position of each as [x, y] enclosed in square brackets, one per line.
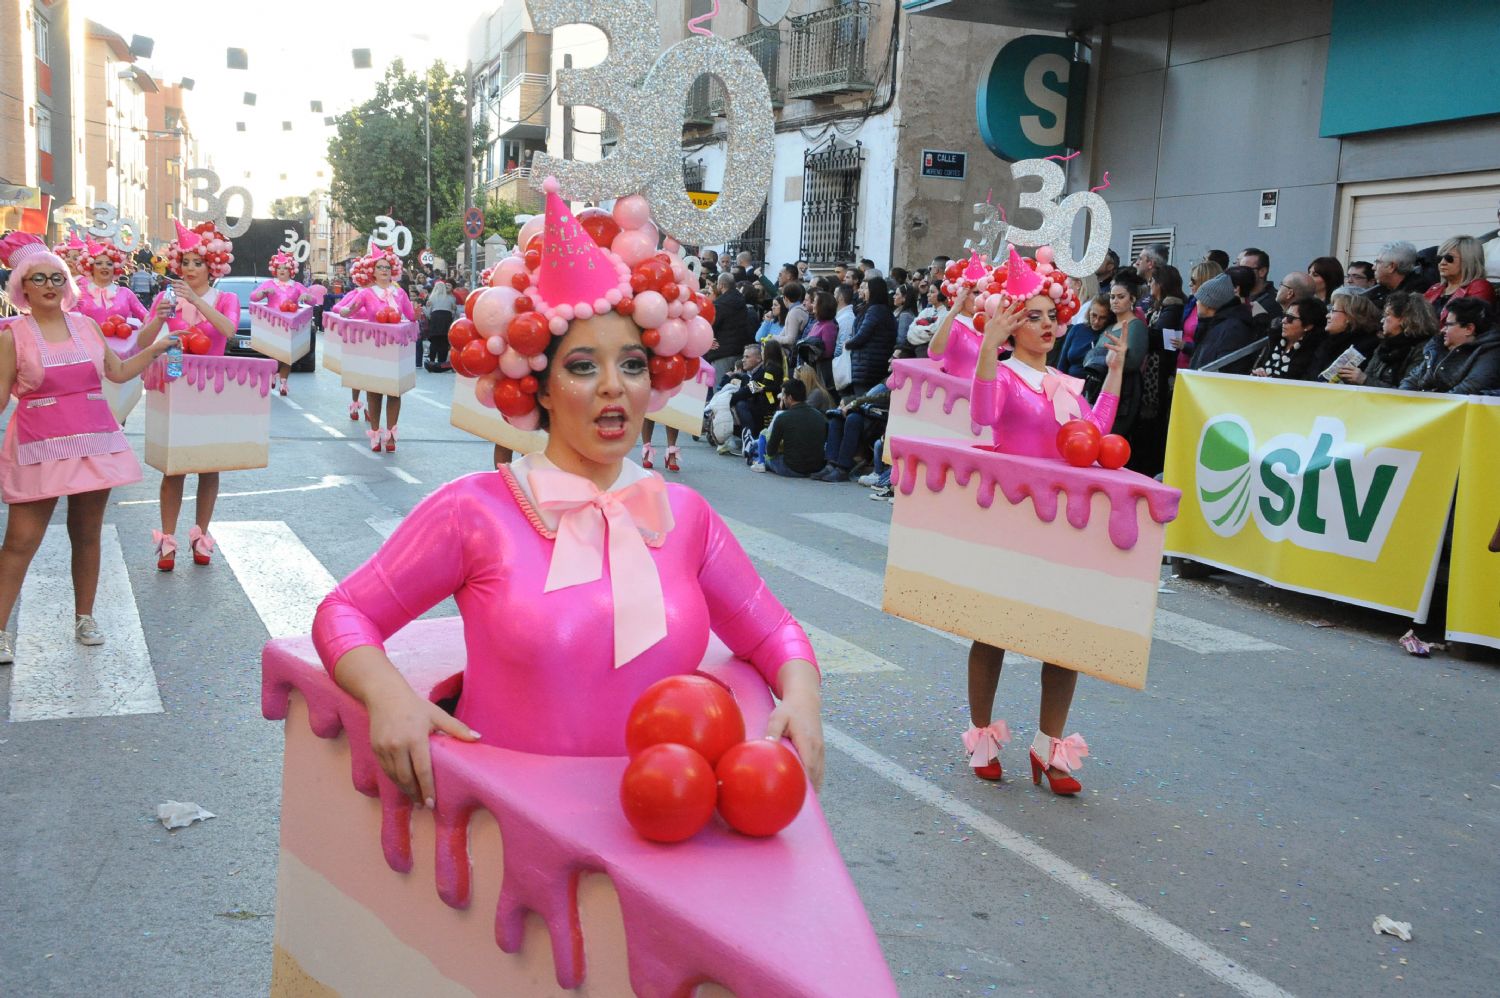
[43, 130]
[830, 203]
[43, 28]
[515, 59]
[752, 239]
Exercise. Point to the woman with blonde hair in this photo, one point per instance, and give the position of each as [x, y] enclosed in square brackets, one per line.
[818, 395]
[1460, 275]
[1353, 321]
[1409, 323]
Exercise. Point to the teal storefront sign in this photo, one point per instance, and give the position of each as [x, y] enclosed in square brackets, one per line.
[1030, 103]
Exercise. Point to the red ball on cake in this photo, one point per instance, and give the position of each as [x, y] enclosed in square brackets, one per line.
[685, 710]
[461, 333]
[668, 793]
[1114, 451]
[761, 787]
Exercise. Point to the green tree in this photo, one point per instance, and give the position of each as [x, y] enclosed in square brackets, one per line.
[296, 208]
[448, 234]
[378, 151]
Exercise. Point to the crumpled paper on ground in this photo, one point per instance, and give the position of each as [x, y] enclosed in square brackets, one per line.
[1391, 927]
[180, 814]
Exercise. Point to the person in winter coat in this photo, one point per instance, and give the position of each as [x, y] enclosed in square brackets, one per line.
[1353, 321]
[1224, 326]
[732, 329]
[1460, 274]
[1465, 360]
[1292, 356]
[1407, 326]
[874, 339]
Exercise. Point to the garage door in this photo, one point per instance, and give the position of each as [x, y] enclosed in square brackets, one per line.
[1424, 217]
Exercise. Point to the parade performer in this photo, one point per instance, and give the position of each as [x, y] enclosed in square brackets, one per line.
[956, 342]
[376, 274]
[74, 252]
[63, 440]
[276, 293]
[102, 298]
[1024, 401]
[648, 452]
[573, 555]
[197, 258]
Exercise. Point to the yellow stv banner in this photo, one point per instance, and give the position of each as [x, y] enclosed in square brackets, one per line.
[1474, 566]
[1333, 490]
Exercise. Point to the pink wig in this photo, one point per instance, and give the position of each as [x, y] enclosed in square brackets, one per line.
[362, 271]
[25, 254]
[105, 251]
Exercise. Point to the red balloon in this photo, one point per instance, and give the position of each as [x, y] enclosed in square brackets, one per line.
[520, 281]
[478, 359]
[685, 710]
[667, 793]
[460, 295]
[1073, 426]
[1114, 451]
[529, 333]
[470, 303]
[655, 271]
[511, 400]
[462, 333]
[626, 306]
[197, 342]
[979, 320]
[761, 787]
[954, 270]
[529, 384]
[706, 310]
[533, 258]
[534, 244]
[599, 224]
[456, 360]
[666, 373]
[650, 338]
[639, 283]
[387, 315]
[671, 290]
[522, 304]
[289, 306]
[1080, 450]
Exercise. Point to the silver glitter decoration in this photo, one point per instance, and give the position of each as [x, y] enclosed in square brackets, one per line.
[990, 228]
[634, 39]
[749, 148]
[216, 202]
[1056, 229]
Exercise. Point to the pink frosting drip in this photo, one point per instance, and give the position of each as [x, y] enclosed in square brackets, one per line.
[692, 912]
[203, 370]
[1039, 479]
[928, 379]
[383, 333]
[297, 320]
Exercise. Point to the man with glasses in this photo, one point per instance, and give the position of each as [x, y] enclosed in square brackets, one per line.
[1395, 270]
[1361, 274]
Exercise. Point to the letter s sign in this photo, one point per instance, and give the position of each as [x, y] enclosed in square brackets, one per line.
[1030, 103]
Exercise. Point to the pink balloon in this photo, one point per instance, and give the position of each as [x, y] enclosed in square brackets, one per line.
[494, 310]
[557, 325]
[992, 305]
[633, 246]
[505, 270]
[689, 310]
[530, 421]
[700, 336]
[496, 344]
[531, 228]
[631, 212]
[674, 336]
[672, 246]
[539, 362]
[513, 365]
[484, 391]
[659, 400]
[650, 310]
[1044, 254]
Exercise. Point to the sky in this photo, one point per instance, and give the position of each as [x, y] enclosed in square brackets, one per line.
[297, 53]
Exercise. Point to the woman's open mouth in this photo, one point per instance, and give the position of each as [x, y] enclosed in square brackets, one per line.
[611, 423]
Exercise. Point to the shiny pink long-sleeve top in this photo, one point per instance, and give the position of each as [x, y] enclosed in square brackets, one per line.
[365, 302]
[273, 292]
[121, 302]
[1023, 419]
[540, 675]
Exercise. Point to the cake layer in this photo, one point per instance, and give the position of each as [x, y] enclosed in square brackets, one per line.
[216, 417]
[1077, 643]
[774, 917]
[333, 349]
[179, 459]
[285, 346]
[926, 402]
[216, 374]
[122, 398]
[391, 371]
[486, 423]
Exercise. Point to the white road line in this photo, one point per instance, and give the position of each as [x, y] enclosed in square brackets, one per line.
[866, 529]
[56, 677]
[331, 431]
[290, 402]
[283, 579]
[365, 450]
[326, 482]
[1073, 878]
[404, 475]
[383, 527]
[837, 657]
[1204, 638]
[425, 399]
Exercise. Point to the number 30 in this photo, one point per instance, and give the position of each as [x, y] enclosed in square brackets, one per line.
[216, 204]
[1058, 217]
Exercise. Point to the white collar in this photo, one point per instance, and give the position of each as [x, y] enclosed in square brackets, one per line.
[1026, 373]
[521, 467]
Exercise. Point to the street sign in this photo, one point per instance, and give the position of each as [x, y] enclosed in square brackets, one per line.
[473, 223]
[944, 164]
[1031, 101]
[703, 199]
[426, 257]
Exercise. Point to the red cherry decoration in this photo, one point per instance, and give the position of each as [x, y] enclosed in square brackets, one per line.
[671, 290]
[685, 710]
[639, 283]
[522, 304]
[1073, 426]
[456, 358]
[762, 787]
[668, 793]
[289, 306]
[599, 224]
[1114, 451]
[626, 306]
[954, 270]
[651, 338]
[511, 400]
[533, 259]
[1080, 450]
[477, 358]
[529, 385]
[197, 342]
[520, 281]
[979, 320]
[462, 333]
[666, 373]
[534, 243]
[528, 333]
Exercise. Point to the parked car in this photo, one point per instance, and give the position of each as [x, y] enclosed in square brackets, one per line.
[239, 346]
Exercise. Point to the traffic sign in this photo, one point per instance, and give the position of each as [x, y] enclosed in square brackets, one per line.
[473, 223]
[426, 257]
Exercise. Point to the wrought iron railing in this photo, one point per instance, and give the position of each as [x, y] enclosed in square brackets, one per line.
[830, 50]
[830, 203]
[764, 45]
[693, 173]
[514, 186]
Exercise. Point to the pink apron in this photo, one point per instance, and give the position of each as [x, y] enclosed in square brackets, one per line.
[67, 415]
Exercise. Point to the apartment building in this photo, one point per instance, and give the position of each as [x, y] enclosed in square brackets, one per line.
[115, 127]
[41, 103]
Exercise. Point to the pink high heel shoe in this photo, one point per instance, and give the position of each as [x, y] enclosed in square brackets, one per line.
[648, 456]
[377, 439]
[166, 551]
[672, 453]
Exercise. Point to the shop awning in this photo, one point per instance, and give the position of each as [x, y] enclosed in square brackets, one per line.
[1047, 15]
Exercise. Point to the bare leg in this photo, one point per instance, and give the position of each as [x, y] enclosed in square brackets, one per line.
[25, 526]
[372, 410]
[282, 370]
[1057, 698]
[171, 502]
[503, 455]
[392, 411]
[354, 396]
[648, 430]
[671, 436]
[985, 663]
[85, 522]
[208, 494]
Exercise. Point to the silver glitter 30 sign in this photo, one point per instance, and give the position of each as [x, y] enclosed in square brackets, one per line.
[1056, 229]
[649, 108]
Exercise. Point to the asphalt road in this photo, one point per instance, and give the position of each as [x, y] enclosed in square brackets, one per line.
[1288, 775]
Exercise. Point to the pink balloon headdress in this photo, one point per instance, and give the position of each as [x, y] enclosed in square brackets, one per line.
[282, 259]
[23, 253]
[362, 271]
[206, 241]
[568, 268]
[1020, 279]
[95, 253]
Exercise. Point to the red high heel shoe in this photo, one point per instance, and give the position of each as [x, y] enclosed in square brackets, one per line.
[166, 551]
[203, 546]
[648, 453]
[983, 746]
[672, 453]
[1065, 754]
[390, 440]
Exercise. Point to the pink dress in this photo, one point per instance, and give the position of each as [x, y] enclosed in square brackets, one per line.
[62, 439]
[1023, 408]
[276, 292]
[100, 303]
[188, 317]
[368, 301]
[540, 674]
[960, 356]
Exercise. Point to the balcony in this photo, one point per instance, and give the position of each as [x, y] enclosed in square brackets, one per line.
[700, 95]
[764, 46]
[829, 51]
[514, 187]
[523, 107]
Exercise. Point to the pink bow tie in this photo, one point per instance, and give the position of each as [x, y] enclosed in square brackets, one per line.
[590, 519]
[1063, 391]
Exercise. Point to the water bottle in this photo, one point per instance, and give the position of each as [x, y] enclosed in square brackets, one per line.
[174, 352]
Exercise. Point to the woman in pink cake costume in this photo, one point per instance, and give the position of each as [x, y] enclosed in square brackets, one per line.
[74, 253]
[204, 319]
[955, 344]
[376, 274]
[1024, 402]
[582, 578]
[63, 440]
[102, 297]
[277, 293]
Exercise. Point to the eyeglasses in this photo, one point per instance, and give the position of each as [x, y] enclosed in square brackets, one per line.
[1337, 311]
[1291, 318]
[56, 280]
[1449, 258]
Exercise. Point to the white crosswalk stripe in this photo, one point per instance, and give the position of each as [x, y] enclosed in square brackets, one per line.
[54, 676]
[283, 579]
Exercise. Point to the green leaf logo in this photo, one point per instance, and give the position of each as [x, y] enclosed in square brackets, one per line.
[1224, 474]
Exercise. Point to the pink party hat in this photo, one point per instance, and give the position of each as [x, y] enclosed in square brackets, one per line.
[93, 248]
[574, 270]
[1021, 279]
[976, 268]
[74, 242]
[17, 246]
[187, 239]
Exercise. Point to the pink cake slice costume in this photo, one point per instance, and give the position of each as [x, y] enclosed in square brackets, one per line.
[367, 302]
[100, 303]
[188, 318]
[62, 439]
[276, 292]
